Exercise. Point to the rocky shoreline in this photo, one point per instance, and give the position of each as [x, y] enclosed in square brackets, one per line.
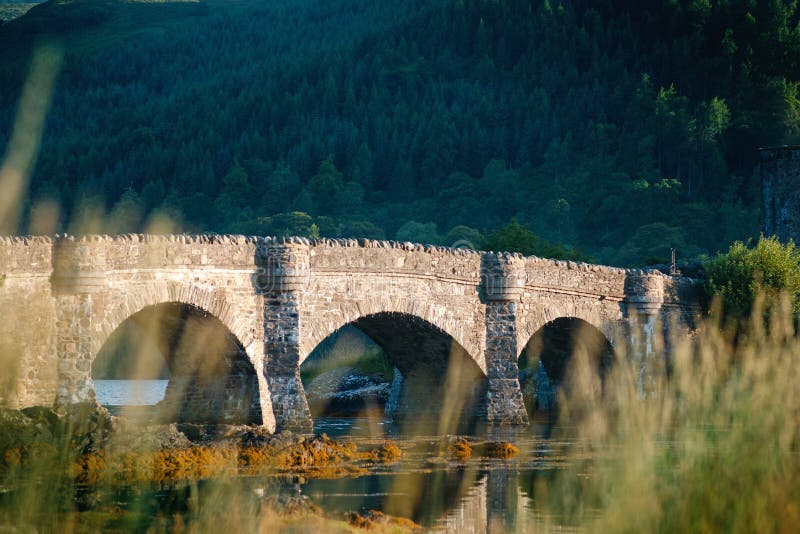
[92, 457]
[93, 445]
[85, 446]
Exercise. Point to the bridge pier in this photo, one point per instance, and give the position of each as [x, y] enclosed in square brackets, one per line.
[78, 274]
[283, 275]
[645, 298]
[502, 284]
[74, 349]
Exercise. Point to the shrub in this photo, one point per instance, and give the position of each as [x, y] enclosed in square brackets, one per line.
[769, 268]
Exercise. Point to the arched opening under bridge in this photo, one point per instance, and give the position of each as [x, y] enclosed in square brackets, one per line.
[565, 353]
[178, 363]
[397, 366]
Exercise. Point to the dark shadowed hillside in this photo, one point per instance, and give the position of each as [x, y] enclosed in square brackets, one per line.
[618, 128]
[12, 10]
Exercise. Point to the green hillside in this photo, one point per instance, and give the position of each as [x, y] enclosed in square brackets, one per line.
[618, 128]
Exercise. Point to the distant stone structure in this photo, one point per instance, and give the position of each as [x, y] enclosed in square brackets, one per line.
[445, 317]
[780, 184]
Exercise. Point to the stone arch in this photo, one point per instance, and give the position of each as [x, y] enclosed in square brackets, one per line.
[317, 328]
[592, 315]
[214, 306]
[436, 379]
[565, 331]
[213, 303]
[211, 377]
[549, 354]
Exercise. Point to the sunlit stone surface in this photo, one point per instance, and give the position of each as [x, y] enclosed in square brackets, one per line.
[453, 321]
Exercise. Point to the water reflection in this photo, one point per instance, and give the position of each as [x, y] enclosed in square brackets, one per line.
[480, 496]
[487, 500]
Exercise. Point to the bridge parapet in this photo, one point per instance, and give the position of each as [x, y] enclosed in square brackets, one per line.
[79, 265]
[579, 278]
[145, 252]
[334, 256]
[26, 255]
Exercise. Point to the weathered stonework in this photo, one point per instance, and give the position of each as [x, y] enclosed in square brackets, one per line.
[28, 329]
[645, 291]
[780, 185]
[503, 280]
[433, 310]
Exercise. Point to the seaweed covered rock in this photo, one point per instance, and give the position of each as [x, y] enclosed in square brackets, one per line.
[460, 450]
[292, 503]
[17, 429]
[260, 437]
[82, 428]
[500, 450]
[388, 453]
[315, 451]
[372, 519]
[86, 426]
[148, 438]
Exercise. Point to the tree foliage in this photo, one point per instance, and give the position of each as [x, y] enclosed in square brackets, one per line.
[769, 268]
[516, 238]
[620, 119]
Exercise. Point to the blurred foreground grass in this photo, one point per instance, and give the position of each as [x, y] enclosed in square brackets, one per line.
[714, 446]
[83, 471]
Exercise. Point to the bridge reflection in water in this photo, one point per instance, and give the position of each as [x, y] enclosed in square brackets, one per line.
[480, 495]
[491, 498]
[460, 501]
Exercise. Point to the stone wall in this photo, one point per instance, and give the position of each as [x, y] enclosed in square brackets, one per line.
[29, 364]
[280, 297]
[351, 280]
[780, 184]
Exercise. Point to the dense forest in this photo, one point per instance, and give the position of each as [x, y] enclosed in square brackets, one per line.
[603, 129]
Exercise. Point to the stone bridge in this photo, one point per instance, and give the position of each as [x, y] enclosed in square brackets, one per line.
[236, 316]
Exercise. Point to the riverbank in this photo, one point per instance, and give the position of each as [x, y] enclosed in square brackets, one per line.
[95, 445]
[87, 453]
[80, 464]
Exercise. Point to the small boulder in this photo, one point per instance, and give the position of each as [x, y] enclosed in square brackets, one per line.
[346, 392]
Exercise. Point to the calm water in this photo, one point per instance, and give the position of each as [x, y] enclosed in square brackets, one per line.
[129, 392]
[480, 496]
